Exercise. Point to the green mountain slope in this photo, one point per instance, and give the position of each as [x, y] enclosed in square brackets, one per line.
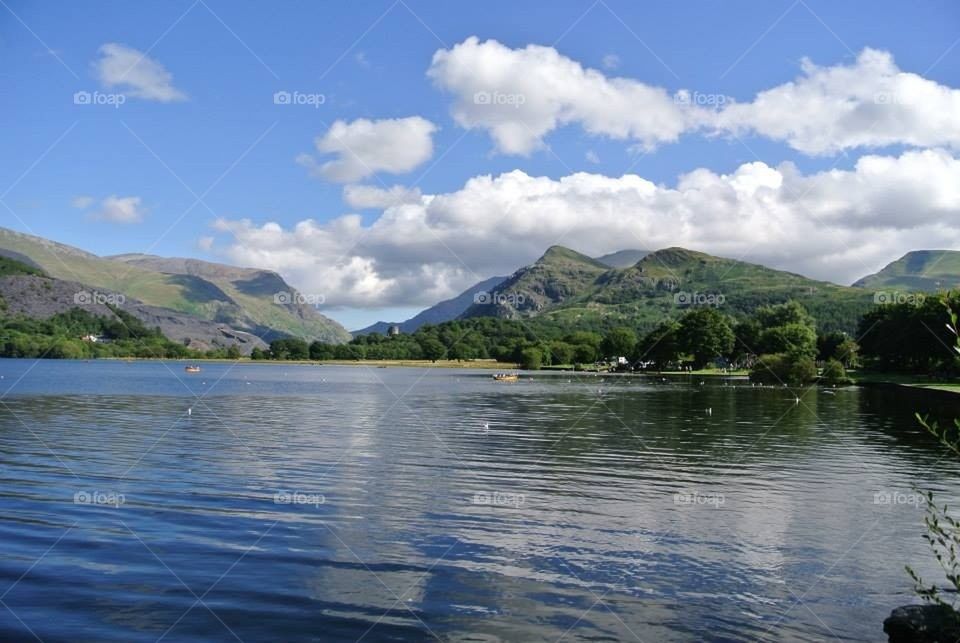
[577, 293]
[558, 276]
[924, 270]
[622, 258]
[244, 299]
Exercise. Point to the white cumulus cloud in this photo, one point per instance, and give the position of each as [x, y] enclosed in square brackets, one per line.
[116, 209]
[520, 95]
[135, 74]
[364, 147]
[836, 225]
[870, 103]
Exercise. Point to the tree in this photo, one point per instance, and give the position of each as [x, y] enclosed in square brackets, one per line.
[290, 348]
[619, 342]
[834, 373]
[794, 338]
[320, 351]
[433, 349]
[705, 334]
[943, 530]
[531, 359]
[661, 345]
[257, 354]
[782, 368]
[848, 353]
[233, 352]
[561, 353]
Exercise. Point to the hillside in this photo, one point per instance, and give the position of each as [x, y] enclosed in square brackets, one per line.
[622, 258]
[240, 298]
[557, 277]
[446, 310]
[567, 288]
[254, 292]
[923, 270]
[27, 292]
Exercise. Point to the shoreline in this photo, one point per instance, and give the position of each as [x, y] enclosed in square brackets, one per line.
[859, 379]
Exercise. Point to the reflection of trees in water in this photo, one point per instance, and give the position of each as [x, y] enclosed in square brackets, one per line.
[892, 411]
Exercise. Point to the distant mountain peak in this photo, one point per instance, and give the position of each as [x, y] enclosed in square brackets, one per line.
[622, 258]
[556, 254]
[918, 270]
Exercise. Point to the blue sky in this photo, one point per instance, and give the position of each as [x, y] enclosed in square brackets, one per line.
[229, 143]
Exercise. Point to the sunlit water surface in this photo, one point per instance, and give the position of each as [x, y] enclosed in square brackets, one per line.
[304, 503]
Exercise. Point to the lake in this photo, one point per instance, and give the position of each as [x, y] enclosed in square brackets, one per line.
[303, 503]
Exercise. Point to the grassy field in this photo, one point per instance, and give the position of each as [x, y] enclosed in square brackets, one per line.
[903, 379]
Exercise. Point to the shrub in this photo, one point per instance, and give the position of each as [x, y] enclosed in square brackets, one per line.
[784, 368]
[834, 373]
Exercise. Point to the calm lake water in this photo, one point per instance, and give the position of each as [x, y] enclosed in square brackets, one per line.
[301, 503]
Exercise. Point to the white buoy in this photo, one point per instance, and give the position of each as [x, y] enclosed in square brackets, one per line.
[189, 412]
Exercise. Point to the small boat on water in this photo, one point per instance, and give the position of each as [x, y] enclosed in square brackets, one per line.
[506, 377]
[192, 369]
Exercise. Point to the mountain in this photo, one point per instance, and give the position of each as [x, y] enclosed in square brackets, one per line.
[570, 289]
[242, 299]
[446, 310]
[27, 291]
[255, 292]
[622, 258]
[560, 275]
[924, 270]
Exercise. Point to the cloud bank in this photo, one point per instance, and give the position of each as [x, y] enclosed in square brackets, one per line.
[521, 95]
[836, 225]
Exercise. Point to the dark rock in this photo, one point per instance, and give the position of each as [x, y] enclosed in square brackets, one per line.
[923, 624]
